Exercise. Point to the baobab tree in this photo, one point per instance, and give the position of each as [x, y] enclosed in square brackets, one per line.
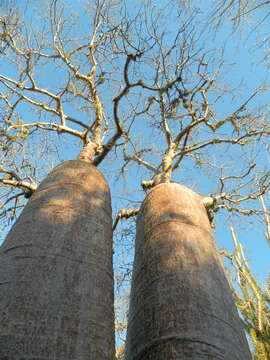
[142, 92]
[56, 270]
[181, 305]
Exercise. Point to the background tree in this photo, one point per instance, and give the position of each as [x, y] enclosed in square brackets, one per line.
[251, 298]
[150, 87]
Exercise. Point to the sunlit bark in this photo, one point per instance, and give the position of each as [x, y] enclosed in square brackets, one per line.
[56, 297]
[181, 304]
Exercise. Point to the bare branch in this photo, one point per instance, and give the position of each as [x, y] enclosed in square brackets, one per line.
[267, 221]
[20, 184]
[125, 214]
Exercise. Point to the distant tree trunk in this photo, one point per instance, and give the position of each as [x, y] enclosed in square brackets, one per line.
[56, 275]
[181, 305]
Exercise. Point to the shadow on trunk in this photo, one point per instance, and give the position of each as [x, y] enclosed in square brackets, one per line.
[181, 305]
[56, 271]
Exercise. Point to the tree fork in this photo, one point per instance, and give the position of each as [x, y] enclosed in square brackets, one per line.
[181, 305]
[56, 275]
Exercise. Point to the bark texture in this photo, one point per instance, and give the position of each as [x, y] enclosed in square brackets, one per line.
[56, 275]
[181, 305]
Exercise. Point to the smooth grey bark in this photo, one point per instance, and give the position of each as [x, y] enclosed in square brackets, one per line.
[56, 275]
[181, 305]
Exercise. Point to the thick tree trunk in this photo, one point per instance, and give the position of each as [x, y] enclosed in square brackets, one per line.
[181, 306]
[56, 275]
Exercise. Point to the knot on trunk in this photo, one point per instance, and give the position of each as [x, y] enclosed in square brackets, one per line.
[88, 152]
[161, 178]
[164, 177]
